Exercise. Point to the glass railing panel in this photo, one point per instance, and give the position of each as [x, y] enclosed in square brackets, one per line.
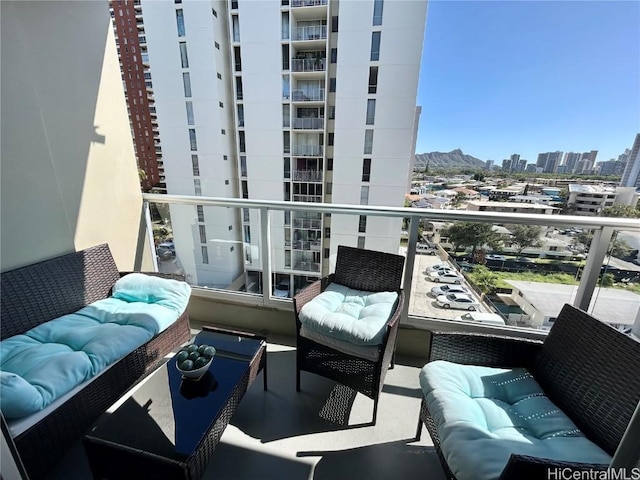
[213, 247]
[509, 274]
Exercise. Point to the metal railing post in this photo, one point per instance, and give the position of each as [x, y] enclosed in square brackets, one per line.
[265, 231]
[591, 272]
[414, 222]
[152, 245]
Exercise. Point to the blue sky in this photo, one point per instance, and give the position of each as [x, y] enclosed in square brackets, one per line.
[503, 77]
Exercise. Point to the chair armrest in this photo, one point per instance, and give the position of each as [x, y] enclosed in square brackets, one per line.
[170, 276]
[311, 291]
[483, 349]
[522, 467]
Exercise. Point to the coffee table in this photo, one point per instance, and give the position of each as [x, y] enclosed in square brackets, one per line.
[169, 427]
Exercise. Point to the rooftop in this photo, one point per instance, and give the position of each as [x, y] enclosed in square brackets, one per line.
[580, 188]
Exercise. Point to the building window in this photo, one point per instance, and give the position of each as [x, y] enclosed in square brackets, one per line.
[183, 55]
[223, 131]
[230, 227]
[366, 169]
[362, 224]
[327, 232]
[332, 112]
[286, 115]
[190, 120]
[371, 111]
[220, 76]
[361, 242]
[243, 145]
[215, 14]
[186, 82]
[217, 45]
[287, 167]
[364, 195]
[224, 157]
[195, 165]
[373, 79]
[245, 214]
[377, 12]
[200, 210]
[240, 115]
[285, 57]
[329, 164]
[203, 233]
[192, 139]
[245, 189]
[221, 104]
[375, 46]
[237, 59]
[334, 55]
[330, 136]
[205, 254]
[243, 166]
[368, 141]
[334, 23]
[197, 188]
[226, 182]
[329, 188]
[332, 84]
[180, 21]
[326, 253]
[286, 142]
[231, 249]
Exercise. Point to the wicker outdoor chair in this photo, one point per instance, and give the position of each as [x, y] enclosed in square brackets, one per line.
[365, 270]
[586, 368]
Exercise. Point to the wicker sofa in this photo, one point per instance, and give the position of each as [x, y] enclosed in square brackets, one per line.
[37, 293]
[585, 367]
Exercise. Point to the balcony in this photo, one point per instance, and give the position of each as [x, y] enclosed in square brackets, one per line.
[307, 3]
[316, 95]
[308, 123]
[307, 150]
[312, 32]
[308, 64]
[307, 176]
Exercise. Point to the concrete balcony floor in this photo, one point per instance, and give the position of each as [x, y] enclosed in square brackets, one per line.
[322, 433]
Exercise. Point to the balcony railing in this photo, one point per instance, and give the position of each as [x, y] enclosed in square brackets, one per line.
[308, 3]
[307, 150]
[308, 198]
[305, 223]
[307, 176]
[312, 32]
[308, 64]
[308, 123]
[584, 294]
[316, 95]
[306, 245]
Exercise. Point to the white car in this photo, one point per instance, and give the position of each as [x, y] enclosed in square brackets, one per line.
[457, 300]
[447, 289]
[439, 268]
[282, 288]
[425, 248]
[445, 277]
[488, 318]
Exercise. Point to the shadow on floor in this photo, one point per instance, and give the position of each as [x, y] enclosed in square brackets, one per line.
[384, 461]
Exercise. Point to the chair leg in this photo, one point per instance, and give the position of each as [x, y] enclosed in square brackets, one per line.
[419, 430]
[375, 411]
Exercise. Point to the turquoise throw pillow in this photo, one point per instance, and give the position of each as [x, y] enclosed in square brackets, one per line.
[18, 397]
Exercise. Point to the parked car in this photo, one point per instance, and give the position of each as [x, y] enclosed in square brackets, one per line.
[457, 300]
[500, 258]
[447, 276]
[447, 289]
[439, 268]
[166, 250]
[425, 248]
[282, 288]
[488, 318]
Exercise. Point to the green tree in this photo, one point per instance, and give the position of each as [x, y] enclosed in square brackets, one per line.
[621, 211]
[484, 278]
[525, 236]
[472, 234]
[620, 248]
[607, 280]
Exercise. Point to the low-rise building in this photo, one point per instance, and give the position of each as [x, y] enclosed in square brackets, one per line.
[511, 207]
[590, 200]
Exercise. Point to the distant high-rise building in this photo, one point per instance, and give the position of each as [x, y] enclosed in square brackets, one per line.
[521, 165]
[610, 167]
[586, 162]
[507, 165]
[631, 175]
[570, 161]
[489, 165]
[549, 161]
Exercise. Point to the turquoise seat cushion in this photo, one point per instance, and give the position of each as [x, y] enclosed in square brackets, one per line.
[485, 414]
[351, 315]
[54, 357]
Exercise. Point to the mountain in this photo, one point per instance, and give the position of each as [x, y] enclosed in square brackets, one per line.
[453, 159]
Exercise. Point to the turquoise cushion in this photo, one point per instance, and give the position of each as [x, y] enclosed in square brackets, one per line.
[351, 315]
[484, 414]
[138, 287]
[18, 397]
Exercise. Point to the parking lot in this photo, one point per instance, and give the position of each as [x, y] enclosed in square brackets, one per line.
[422, 302]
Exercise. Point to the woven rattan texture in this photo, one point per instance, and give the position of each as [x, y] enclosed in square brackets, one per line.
[368, 270]
[364, 270]
[46, 290]
[590, 370]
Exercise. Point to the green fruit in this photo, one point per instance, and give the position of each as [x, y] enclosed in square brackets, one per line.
[200, 362]
[201, 349]
[193, 356]
[192, 348]
[209, 352]
[186, 365]
[182, 356]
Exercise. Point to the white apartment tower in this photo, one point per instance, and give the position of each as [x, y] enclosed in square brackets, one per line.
[297, 100]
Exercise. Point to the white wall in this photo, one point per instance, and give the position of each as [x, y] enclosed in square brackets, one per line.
[69, 176]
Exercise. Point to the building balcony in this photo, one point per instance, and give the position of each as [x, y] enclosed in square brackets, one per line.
[308, 123]
[307, 3]
[316, 95]
[308, 198]
[308, 64]
[307, 150]
[312, 32]
[307, 176]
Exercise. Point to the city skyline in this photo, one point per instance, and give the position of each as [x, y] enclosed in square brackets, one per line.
[503, 84]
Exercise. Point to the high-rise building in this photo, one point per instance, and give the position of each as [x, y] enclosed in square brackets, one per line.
[301, 100]
[570, 161]
[138, 88]
[586, 162]
[631, 175]
[549, 161]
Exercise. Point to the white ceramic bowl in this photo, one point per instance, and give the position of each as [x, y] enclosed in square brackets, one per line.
[196, 373]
